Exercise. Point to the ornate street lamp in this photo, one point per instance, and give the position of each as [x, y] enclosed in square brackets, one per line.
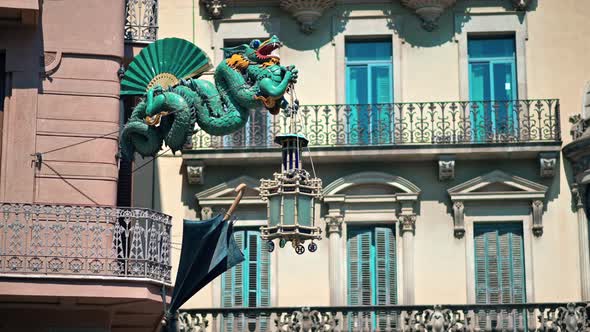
[291, 196]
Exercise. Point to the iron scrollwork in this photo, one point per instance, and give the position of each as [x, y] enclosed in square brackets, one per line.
[85, 241]
[427, 123]
[141, 20]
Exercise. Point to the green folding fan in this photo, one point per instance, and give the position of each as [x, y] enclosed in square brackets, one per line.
[164, 62]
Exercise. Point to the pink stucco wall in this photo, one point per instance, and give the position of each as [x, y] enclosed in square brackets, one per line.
[68, 95]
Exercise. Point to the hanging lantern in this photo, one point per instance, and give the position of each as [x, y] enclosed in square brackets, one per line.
[291, 196]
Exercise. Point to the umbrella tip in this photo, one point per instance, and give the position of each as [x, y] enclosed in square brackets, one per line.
[240, 187]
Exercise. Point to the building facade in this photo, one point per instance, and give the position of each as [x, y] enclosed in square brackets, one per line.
[71, 259]
[436, 128]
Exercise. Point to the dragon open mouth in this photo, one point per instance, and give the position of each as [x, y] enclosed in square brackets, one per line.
[269, 50]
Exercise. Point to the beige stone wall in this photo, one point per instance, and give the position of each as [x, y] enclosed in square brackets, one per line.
[426, 68]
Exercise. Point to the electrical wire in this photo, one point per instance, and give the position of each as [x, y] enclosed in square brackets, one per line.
[78, 143]
[69, 183]
[154, 158]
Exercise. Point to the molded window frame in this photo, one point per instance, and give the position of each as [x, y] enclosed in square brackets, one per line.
[356, 29]
[475, 25]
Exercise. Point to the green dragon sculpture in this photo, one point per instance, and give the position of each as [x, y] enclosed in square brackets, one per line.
[164, 74]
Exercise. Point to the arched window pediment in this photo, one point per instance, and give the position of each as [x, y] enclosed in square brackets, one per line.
[359, 183]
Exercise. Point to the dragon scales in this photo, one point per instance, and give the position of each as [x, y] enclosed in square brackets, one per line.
[250, 77]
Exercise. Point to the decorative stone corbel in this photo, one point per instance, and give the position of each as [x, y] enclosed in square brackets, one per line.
[547, 164]
[428, 10]
[459, 219]
[306, 12]
[215, 8]
[446, 168]
[521, 5]
[206, 213]
[51, 62]
[577, 196]
[195, 174]
[407, 223]
[537, 206]
[334, 225]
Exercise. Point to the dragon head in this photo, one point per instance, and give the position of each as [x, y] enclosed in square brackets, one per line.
[257, 52]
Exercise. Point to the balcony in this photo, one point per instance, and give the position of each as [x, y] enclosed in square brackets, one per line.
[59, 260]
[141, 20]
[19, 12]
[401, 129]
[505, 317]
[61, 241]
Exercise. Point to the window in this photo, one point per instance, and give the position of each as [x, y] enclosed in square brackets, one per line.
[499, 269]
[369, 82]
[256, 131]
[248, 283]
[492, 84]
[372, 276]
[125, 178]
[2, 81]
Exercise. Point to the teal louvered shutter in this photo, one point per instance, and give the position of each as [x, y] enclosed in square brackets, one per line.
[360, 269]
[385, 278]
[232, 287]
[263, 288]
[372, 275]
[499, 269]
[248, 283]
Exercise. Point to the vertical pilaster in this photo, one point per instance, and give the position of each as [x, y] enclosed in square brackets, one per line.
[583, 239]
[407, 229]
[334, 231]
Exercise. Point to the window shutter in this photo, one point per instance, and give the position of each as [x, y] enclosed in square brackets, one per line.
[386, 289]
[481, 269]
[499, 269]
[360, 271]
[232, 286]
[263, 280]
[248, 283]
[385, 273]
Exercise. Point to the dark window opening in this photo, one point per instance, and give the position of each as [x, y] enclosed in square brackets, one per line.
[125, 183]
[2, 81]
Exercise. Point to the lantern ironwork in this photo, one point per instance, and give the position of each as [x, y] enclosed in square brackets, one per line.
[291, 196]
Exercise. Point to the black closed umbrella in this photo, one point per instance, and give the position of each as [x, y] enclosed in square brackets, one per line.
[208, 250]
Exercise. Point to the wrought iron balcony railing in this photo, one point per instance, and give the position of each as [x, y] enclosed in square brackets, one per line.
[141, 20]
[73, 241]
[502, 317]
[428, 123]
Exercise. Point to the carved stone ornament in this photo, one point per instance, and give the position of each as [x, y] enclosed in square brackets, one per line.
[547, 164]
[407, 223]
[192, 323]
[334, 225]
[521, 4]
[306, 12]
[307, 320]
[206, 213]
[537, 206]
[195, 174]
[428, 10]
[579, 126]
[215, 8]
[571, 318]
[446, 168]
[459, 219]
[577, 196]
